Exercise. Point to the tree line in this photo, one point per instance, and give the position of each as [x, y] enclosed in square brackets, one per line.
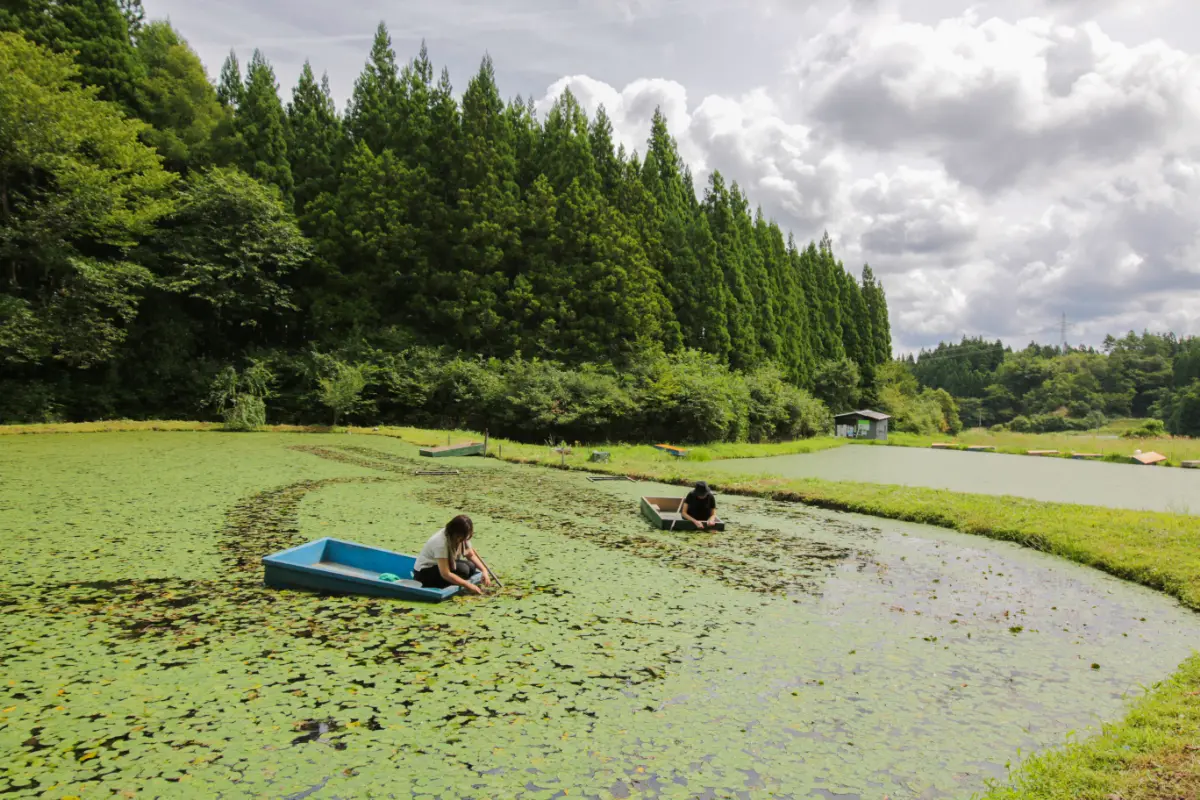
[158, 232]
[1045, 388]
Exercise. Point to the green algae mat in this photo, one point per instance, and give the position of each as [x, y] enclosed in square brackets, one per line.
[799, 654]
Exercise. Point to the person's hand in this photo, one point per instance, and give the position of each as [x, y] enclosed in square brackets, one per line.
[474, 588]
[487, 578]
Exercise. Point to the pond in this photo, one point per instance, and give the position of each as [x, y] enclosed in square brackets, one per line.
[799, 654]
[1056, 480]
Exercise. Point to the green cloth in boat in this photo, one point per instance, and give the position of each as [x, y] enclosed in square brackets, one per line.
[388, 577]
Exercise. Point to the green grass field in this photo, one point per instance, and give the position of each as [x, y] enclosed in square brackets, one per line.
[116, 553]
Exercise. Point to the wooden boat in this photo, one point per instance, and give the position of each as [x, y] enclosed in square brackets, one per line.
[941, 446]
[678, 452]
[1149, 459]
[1087, 455]
[663, 513]
[331, 565]
[464, 449]
[1190, 464]
[981, 448]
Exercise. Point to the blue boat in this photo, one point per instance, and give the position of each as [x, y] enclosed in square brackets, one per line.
[331, 565]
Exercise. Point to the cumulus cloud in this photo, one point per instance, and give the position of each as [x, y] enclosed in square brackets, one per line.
[997, 102]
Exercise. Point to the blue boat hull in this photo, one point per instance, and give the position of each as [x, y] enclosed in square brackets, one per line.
[334, 566]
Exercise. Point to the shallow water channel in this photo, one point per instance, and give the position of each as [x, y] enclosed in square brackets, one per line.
[1056, 480]
[799, 654]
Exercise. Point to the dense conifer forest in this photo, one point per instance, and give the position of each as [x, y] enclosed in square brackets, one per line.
[171, 248]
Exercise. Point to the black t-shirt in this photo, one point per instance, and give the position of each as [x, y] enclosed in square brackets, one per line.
[700, 508]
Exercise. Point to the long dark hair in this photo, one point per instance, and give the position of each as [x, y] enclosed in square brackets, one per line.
[458, 531]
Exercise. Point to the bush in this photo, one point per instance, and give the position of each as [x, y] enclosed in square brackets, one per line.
[1020, 424]
[246, 412]
[240, 398]
[539, 399]
[691, 397]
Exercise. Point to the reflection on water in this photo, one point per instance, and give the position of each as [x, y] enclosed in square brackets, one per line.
[1055, 480]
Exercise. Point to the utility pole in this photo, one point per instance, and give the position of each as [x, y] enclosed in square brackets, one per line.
[1064, 333]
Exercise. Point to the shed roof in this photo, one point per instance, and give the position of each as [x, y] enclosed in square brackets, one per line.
[875, 415]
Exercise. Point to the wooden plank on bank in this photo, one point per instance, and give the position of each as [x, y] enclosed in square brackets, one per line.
[941, 446]
[1190, 464]
[1087, 455]
[1149, 458]
[1042, 452]
[981, 448]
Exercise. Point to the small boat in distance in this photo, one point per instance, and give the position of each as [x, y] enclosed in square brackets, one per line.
[663, 513]
[331, 565]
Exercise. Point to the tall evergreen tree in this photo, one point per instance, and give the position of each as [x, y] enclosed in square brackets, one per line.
[231, 89]
[314, 139]
[608, 165]
[566, 153]
[877, 310]
[745, 351]
[488, 248]
[371, 116]
[262, 126]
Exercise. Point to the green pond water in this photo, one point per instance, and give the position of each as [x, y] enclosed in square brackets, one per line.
[799, 654]
[1054, 480]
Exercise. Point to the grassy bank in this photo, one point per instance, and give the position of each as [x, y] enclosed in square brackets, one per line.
[1176, 449]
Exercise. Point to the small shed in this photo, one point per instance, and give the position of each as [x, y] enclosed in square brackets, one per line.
[862, 425]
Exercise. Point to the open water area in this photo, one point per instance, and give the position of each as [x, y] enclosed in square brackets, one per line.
[1055, 480]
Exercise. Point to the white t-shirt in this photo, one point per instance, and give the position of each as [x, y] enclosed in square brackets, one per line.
[437, 547]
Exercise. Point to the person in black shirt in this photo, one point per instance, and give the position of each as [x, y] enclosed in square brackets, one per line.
[700, 507]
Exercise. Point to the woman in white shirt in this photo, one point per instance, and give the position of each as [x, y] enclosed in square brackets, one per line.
[448, 559]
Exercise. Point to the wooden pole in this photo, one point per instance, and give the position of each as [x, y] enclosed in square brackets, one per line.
[485, 441]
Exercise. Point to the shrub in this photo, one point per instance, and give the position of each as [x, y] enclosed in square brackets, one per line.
[246, 412]
[1149, 429]
[341, 389]
[1020, 424]
[692, 397]
[240, 398]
